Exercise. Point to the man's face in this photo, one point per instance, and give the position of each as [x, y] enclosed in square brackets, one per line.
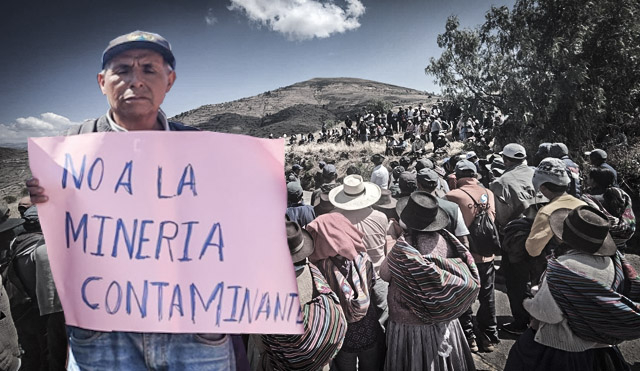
[135, 83]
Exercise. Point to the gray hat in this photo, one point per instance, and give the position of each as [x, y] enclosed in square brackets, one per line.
[426, 176]
[597, 154]
[470, 155]
[424, 163]
[465, 166]
[543, 150]
[407, 182]
[558, 150]
[139, 40]
[329, 171]
[497, 165]
[294, 191]
[514, 150]
[551, 170]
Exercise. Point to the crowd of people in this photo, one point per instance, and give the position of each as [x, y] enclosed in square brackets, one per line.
[408, 128]
[431, 231]
[388, 266]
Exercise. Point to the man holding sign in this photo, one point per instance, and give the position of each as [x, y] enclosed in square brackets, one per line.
[138, 71]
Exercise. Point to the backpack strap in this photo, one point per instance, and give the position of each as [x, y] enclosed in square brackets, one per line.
[471, 197]
[477, 204]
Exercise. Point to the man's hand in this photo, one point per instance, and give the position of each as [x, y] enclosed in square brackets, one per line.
[36, 192]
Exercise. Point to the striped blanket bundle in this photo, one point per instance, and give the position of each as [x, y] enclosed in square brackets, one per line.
[437, 289]
[325, 327]
[595, 312]
[351, 281]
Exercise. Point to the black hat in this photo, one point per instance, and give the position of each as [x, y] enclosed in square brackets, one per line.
[377, 158]
[583, 228]
[300, 242]
[420, 212]
[397, 171]
[405, 161]
[597, 154]
[139, 40]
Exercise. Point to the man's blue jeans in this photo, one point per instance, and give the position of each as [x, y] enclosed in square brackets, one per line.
[95, 350]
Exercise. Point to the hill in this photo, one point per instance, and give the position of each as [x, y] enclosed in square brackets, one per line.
[301, 107]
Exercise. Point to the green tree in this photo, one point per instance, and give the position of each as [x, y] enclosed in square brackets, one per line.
[562, 69]
[379, 106]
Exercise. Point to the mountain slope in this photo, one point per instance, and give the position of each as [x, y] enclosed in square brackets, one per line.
[301, 107]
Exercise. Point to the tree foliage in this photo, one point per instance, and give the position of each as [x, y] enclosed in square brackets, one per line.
[379, 106]
[562, 69]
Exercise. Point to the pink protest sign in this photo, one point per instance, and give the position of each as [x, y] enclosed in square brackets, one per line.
[168, 232]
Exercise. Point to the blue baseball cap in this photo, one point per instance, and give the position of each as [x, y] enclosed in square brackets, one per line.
[139, 40]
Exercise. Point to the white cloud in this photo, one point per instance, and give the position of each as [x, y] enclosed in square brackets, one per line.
[48, 124]
[210, 18]
[302, 19]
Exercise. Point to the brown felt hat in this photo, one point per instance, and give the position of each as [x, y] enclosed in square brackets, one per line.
[300, 242]
[583, 228]
[386, 201]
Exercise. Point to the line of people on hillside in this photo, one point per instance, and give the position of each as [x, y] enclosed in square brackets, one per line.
[408, 127]
[431, 233]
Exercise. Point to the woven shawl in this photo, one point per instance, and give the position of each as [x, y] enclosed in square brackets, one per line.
[595, 312]
[324, 330]
[622, 222]
[436, 289]
[351, 282]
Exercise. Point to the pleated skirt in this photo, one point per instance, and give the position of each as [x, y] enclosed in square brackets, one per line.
[433, 347]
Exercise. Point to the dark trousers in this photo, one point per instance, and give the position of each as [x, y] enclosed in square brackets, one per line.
[434, 138]
[517, 277]
[371, 359]
[486, 315]
[32, 336]
[56, 341]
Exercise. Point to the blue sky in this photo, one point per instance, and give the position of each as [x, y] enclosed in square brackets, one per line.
[225, 49]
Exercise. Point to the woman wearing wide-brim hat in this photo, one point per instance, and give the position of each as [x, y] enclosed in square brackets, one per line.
[433, 280]
[588, 302]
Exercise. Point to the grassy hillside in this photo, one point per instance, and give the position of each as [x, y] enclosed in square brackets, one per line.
[301, 107]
